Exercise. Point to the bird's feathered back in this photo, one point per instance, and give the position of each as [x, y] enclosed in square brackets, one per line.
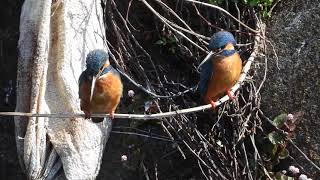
[220, 39]
[95, 60]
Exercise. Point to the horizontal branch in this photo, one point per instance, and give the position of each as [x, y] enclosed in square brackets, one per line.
[145, 135]
[120, 116]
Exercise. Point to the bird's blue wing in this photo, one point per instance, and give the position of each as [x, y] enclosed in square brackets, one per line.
[205, 75]
[83, 77]
[114, 71]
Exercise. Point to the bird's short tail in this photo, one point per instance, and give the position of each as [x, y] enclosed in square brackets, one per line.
[97, 120]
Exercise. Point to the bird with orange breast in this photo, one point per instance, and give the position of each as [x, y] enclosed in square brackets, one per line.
[100, 86]
[221, 69]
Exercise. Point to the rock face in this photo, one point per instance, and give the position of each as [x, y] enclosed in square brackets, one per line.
[294, 84]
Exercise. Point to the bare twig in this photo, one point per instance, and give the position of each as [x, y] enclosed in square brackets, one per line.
[304, 155]
[265, 62]
[145, 171]
[273, 6]
[224, 11]
[154, 95]
[204, 19]
[247, 162]
[188, 30]
[275, 53]
[164, 20]
[144, 135]
[201, 169]
[258, 154]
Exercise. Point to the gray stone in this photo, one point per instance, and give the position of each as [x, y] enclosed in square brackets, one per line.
[294, 85]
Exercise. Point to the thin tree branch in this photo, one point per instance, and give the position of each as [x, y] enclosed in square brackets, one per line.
[224, 11]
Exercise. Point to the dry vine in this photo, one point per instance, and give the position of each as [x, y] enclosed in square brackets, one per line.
[218, 147]
[223, 144]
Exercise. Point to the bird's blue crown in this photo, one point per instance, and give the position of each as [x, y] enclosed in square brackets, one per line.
[95, 60]
[221, 39]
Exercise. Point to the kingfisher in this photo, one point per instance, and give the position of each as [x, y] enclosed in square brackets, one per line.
[221, 68]
[100, 86]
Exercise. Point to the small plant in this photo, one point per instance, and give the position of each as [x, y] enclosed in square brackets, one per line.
[168, 42]
[276, 146]
[264, 5]
[279, 139]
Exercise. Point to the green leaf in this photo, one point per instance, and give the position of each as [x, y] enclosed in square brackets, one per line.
[274, 150]
[268, 2]
[159, 42]
[284, 153]
[276, 138]
[253, 3]
[265, 14]
[290, 178]
[171, 40]
[278, 176]
[211, 1]
[280, 120]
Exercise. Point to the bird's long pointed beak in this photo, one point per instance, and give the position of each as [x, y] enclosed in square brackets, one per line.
[205, 59]
[92, 86]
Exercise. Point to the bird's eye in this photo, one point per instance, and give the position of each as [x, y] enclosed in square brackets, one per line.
[101, 68]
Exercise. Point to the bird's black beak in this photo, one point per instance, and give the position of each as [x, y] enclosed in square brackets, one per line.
[93, 84]
[205, 59]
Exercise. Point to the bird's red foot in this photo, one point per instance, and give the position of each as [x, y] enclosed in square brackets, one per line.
[213, 104]
[231, 96]
[111, 115]
[87, 114]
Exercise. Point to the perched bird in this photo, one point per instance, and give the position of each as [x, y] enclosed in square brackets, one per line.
[221, 69]
[100, 86]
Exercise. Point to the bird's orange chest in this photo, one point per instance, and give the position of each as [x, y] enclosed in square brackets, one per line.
[226, 72]
[107, 89]
[227, 69]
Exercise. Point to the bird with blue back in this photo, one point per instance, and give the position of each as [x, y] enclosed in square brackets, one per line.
[221, 69]
[100, 86]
